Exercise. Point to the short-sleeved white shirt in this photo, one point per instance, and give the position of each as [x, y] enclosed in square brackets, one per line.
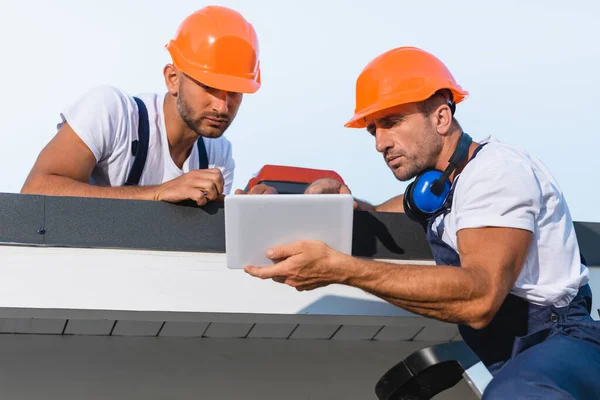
[106, 119]
[504, 186]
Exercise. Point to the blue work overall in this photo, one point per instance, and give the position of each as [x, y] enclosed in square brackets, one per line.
[533, 351]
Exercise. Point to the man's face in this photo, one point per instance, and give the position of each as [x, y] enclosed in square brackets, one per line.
[205, 110]
[407, 139]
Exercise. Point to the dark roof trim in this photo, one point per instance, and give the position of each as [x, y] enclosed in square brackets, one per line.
[150, 225]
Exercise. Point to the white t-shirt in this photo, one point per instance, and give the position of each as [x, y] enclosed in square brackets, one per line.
[106, 119]
[504, 186]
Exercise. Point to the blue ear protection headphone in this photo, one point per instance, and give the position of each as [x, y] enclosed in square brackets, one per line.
[428, 192]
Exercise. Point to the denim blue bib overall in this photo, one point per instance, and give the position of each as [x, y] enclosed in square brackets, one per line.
[533, 351]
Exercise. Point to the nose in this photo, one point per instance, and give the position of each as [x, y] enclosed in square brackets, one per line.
[383, 140]
[221, 101]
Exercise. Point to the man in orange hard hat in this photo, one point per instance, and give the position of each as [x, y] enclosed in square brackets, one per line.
[159, 146]
[508, 267]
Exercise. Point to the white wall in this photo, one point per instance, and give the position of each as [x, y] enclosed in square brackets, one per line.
[87, 367]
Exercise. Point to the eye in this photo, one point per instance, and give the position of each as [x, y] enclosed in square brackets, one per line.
[372, 129]
[389, 122]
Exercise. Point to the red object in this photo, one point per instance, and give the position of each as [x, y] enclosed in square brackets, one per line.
[281, 174]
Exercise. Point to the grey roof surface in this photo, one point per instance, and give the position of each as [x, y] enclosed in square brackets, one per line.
[135, 224]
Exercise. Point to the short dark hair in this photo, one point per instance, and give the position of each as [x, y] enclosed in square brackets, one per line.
[442, 96]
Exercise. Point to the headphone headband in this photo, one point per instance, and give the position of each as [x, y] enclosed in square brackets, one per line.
[460, 153]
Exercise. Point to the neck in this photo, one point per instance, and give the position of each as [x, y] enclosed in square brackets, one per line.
[180, 137]
[449, 147]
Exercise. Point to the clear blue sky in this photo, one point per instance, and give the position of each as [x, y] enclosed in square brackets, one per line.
[532, 68]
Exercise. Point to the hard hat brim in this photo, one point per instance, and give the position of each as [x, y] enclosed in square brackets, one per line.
[212, 79]
[225, 82]
[358, 119]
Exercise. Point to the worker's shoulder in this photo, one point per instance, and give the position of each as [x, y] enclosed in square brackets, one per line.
[107, 97]
[499, 164]
[497, 154]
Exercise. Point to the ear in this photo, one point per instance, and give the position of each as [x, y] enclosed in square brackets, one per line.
[172, 79]
[443, 119]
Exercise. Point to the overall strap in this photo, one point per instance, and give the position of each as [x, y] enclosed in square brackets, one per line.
[139, 148]
[202, 154]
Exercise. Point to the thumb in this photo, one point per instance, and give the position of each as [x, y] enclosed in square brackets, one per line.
[284, 251]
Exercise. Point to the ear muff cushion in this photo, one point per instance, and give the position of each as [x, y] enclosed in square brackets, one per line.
[410, 209]
[422, 198]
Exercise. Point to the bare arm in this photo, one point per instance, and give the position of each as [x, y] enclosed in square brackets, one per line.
[395, 204]
[491, 260]
[64, 167]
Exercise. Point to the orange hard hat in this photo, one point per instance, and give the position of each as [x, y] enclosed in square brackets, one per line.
[399, 76]
[218, 47]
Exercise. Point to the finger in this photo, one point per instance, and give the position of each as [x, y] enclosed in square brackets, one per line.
[219, 185]
[314, 189]
[355, 205]
[274, 271]
[219, 181]
[214, 172]
[209, 173]
[258, 189]
[208, 187]
[239, 191]
[196, 195]
[302, 288]
[263, 189]
[279, 279]
[213, 175]
[285, 250]
[345, 190]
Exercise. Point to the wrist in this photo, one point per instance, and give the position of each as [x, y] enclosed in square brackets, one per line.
[342, 267]
[148, 193]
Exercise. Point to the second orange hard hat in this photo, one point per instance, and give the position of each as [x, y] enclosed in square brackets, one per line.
[218, 47]
[399, 76]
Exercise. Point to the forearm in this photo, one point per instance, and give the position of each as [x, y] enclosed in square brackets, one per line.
[452, 294]
[394, 204]
[56, 185]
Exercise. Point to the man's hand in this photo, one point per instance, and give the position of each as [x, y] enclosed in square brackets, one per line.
[65, 165]
[327, 186]
[331, 186]
[261, 188]
[304, 265]
[200, 185]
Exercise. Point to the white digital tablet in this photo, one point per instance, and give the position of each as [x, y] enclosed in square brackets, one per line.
[255, 223]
